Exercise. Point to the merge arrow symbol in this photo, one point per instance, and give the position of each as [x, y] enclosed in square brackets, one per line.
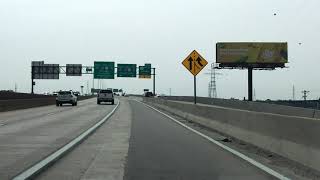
[190, 63]
[199, 61]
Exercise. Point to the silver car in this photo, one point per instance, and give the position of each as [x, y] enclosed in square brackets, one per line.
[105, 96]
[66, 97]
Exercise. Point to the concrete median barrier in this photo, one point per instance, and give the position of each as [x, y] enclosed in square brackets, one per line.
[293, 137]
[251, 106]
[15, 104]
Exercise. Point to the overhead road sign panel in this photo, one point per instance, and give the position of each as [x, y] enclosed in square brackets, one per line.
[127, 70]
[194, 62]
[145, 71]
[256, 54]
[103, 70]
[45, 71]
[74, 69]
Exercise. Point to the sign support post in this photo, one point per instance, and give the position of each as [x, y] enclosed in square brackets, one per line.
[250, 83]
[195, 89]
[154, 81]
[194, 63]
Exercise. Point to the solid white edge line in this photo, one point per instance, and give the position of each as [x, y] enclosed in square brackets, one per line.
[36, 168]
[240, 155]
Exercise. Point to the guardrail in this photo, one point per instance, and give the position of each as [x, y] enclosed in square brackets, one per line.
[293, 137]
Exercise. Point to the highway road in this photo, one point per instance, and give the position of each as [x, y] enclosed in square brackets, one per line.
[27, 136]
[162, 149]
[136, 143]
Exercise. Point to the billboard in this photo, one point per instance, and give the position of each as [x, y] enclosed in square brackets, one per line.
[233, 53]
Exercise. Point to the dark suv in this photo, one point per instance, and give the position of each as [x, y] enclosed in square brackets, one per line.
[105, 96]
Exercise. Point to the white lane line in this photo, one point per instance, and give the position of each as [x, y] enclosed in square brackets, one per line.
[37, 168]
[240, 155]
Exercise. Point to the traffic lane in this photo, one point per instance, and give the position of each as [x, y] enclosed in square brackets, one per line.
[17, 116]
[33, 118]
[27, 141]
[161, 149]
[101, 156]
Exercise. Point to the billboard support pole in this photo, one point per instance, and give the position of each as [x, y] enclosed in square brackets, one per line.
[250, 83]
[32, 80]
[154, 81]
[195, 89]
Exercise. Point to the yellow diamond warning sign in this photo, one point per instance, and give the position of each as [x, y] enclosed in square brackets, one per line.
[194, 62]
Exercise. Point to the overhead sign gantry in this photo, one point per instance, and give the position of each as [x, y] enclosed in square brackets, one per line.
[100, 70]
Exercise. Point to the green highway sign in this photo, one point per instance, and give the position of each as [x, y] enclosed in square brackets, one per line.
[127, 70]
[145, 71]
[103, 70]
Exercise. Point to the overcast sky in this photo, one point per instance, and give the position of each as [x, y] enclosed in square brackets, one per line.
[162, 33]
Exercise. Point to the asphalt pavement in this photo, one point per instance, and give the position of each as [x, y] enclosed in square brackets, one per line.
[163, 150]
[101, 156]
[27, 136]
[136, 143]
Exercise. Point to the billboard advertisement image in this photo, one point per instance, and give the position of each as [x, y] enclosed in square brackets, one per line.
[251, 53]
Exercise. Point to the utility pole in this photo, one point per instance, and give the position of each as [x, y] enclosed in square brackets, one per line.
[305, 92]
[254, 94]
[293, 93]
[15, 87]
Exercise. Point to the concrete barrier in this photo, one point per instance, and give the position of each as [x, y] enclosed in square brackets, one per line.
[15, 104]
[251, 106]
[296, 138]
